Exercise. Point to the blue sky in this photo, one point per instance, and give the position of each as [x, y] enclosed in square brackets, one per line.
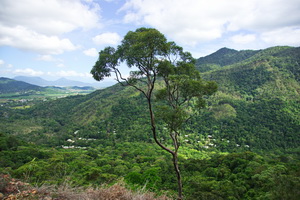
[62, 38]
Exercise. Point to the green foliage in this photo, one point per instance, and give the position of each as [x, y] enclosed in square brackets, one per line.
[260, 90]
[224, 112]
[238, 176]
[222, 58]
[256, 109]
[244, 175]
[9, 86]
[142, 49]
[182, 84]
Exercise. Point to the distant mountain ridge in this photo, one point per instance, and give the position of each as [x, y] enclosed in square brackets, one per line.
[62, 82]
[9, 86]
[223, 57]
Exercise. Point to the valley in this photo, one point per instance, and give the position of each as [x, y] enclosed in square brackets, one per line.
[18, 94]
[243, 145]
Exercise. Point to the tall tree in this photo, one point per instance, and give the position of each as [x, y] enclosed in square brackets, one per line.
[184, 93]
[148, 52]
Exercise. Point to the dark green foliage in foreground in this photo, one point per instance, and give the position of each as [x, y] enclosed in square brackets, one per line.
[244, 175]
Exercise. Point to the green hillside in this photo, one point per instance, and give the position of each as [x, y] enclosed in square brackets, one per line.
[258, 100]
[13, 91]
[222, 58]
[256, 107]
[243, 145]
[9, 86]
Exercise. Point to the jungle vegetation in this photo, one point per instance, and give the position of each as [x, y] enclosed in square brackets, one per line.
[243, 145]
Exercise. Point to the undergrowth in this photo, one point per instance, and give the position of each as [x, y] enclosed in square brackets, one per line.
[13, 189]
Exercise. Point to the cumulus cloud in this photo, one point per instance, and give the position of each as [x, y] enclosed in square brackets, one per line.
[69, 73]
[28, 71]
[37, 25]
[48, 58]
[23, 38]
[108, 38]
[1, 62]
[243, 38]
[61, 73]
[91, 52]
[192, 22]
[284, 36]
[61, 65]
[49, 17]
[10, 66]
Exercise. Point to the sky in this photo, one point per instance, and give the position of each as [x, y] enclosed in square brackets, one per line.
[61, 38]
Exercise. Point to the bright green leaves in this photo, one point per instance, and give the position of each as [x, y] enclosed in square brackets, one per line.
[173, 118]
[183, 89]
[142, 48]
[180, 94]
[105, 64]
[148, 51]
[182, 84]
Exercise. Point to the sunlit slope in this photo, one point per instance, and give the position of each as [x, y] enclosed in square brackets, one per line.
[257, 105]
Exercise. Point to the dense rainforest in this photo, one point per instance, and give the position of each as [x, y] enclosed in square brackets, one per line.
[243, 145]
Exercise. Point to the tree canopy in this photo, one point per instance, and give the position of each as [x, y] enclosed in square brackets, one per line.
[148, 51]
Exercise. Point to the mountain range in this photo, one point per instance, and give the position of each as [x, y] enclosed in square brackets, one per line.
[9, 86]
[62, 82]
[257, 105]
[243, 145]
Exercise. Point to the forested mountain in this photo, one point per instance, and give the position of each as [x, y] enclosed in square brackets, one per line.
[9, 85]
[222, 58]
[256, 107]
[258, 99]
[255, 111]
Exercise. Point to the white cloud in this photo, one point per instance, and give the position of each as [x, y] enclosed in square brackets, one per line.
[61, 65]
[88, 1]
[48, 58]
[69, 73]
[91, 52]
[37, 25]
[284, 36]
[23, 38]
[243, 38]
[49, 17]
[107, 38]
[266, 15]
[10, 66]
[28, 71]
[61, 73]
[193, 22]
[2, 62]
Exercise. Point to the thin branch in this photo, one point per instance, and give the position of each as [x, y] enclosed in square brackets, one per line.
[119, 76]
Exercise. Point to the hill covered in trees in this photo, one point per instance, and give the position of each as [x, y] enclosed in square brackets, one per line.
[256, 107]
[223, 57]
[244, 144]
[9, 86]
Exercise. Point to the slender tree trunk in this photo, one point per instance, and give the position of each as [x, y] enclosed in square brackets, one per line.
[153, 128]
[179, 182]
[174, 153]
